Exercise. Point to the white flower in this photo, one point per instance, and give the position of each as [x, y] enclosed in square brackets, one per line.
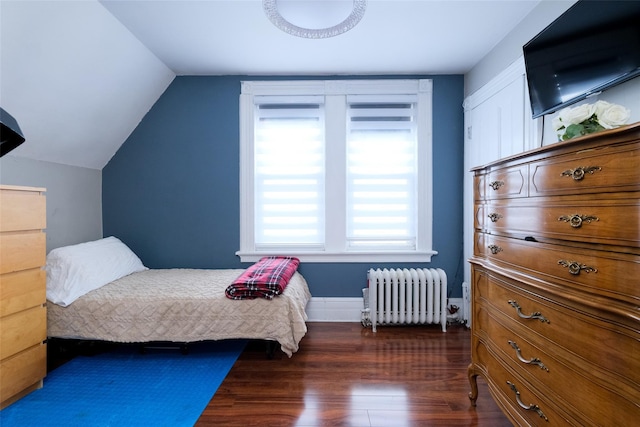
[611, 115]
[574, 116]
[588, 118]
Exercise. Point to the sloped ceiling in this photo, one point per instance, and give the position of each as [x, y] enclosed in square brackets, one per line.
[79, 75]
[75, 78]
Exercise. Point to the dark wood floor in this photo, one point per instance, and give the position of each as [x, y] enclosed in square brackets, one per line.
[346, 375]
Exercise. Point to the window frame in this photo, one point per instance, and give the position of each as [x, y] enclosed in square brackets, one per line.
[333, 90]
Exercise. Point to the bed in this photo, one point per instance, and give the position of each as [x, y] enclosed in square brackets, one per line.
[164, 305]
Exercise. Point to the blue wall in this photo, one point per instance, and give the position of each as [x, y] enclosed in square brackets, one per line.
[171, 192]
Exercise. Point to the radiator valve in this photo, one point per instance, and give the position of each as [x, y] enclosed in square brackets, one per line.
[365, 313]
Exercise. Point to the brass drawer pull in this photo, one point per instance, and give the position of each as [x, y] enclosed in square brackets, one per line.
[494, 217]
[494, 249]
[496, 184]
[576, 220]
[575, 267]
[531, 407]
[534, 315]
[532, 361]
[578, 173]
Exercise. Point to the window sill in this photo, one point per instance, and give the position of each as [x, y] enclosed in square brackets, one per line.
[350, 257]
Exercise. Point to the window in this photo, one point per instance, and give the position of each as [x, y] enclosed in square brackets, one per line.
[336, 171]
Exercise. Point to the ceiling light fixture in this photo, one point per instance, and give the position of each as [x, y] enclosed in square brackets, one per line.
[275, 16]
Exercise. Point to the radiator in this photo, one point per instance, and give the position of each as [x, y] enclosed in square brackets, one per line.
[407, 296]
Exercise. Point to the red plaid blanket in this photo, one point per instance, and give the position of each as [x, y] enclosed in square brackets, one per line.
[266, 278]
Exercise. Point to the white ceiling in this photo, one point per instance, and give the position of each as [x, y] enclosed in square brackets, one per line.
[79, 75]
[235, 37]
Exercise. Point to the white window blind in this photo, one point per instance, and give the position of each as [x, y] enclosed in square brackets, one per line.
[289, 172]
[336, 170]
[381, 172]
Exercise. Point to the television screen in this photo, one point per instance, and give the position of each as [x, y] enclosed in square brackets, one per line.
[593, 46]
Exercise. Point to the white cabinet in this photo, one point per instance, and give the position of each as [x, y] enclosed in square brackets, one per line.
[498, 124]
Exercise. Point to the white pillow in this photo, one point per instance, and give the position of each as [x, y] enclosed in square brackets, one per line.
[75, 270]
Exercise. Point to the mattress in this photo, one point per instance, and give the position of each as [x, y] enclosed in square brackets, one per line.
[182, 305]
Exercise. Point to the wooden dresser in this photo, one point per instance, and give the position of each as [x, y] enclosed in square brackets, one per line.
[556, 282]
[23, 321]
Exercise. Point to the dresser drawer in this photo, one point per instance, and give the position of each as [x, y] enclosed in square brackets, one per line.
[479, 186]
[613, 222]
[506, 183]
[538, 412]
[22, 251]
[22, 330]
[597, 272]
[609, 169]
[22, 290]
[22, 210]
[22, 371]
[613, 348]
[586, 389]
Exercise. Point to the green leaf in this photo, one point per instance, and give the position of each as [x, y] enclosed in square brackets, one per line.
[574, 131]
[586, 127]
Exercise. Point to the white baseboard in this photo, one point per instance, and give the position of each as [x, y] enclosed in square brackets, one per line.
[334, 309]
[343, 309]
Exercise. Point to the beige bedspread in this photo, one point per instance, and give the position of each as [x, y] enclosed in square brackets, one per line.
[182, 305]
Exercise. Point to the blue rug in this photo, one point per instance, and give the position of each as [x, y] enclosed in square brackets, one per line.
[126, 388]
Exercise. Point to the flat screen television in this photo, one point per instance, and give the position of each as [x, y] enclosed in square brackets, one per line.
[591, 47]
